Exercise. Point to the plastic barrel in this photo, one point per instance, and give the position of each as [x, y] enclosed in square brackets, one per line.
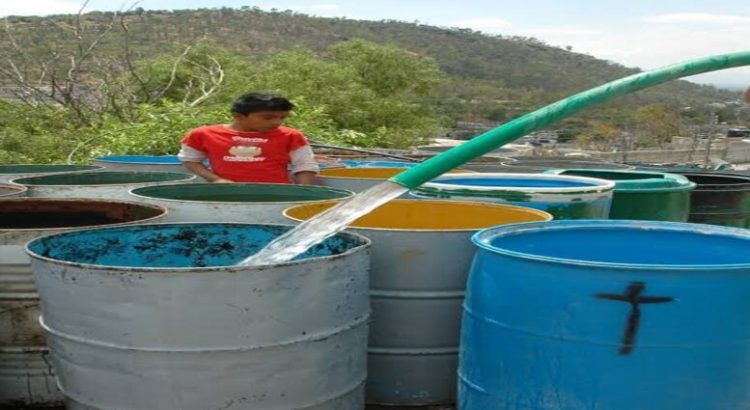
[160, 317]
[644, 195]
[359, 179]
[421, 254]
[251, 203]
[615, 315]
[13, 171]
[11, 190]
[26, 377]
[565, 197]
[720, 199]
[99, 184]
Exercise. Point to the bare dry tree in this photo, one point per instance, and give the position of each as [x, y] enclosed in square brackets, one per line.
[72, 75]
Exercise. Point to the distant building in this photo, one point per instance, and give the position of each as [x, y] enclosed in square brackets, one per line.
[540, 139]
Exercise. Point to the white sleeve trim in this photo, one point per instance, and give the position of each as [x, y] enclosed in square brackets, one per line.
[190, 154]
[303, 159]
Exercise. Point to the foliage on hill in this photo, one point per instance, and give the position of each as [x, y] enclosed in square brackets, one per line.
[134, 82]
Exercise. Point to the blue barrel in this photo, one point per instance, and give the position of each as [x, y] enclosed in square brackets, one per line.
[565, 197]
[605, 314]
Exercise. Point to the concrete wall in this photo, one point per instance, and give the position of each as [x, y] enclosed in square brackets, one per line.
[736, 152]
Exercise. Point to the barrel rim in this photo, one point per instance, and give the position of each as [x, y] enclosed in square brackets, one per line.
[711, 187]
[540, 165]
[683, 184]
[599, 184]
[19, 189]
[52, 231]
[548, 217]
[482, 240]
[322, 188]
[366, 243]
[40, 173]
[113, 159]
[188, 177]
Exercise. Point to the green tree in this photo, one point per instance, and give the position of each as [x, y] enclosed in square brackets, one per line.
[601, 136]
[388, 70]
[656, 124]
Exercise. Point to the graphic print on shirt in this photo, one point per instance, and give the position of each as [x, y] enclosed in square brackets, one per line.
[247, 150]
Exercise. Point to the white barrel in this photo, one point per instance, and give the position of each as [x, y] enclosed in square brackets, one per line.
[159, 317]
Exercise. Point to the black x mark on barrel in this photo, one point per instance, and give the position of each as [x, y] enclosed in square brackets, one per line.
[633, 296]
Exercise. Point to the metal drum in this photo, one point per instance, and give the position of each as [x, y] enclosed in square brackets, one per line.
[26, 377]
[12, 171]
[607, 314]
[160, 317]
[421, 254]
[251, 203]
[720, 199]
[100, 184]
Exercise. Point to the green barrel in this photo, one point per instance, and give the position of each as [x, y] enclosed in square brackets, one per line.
[720, 198]
[643, 195]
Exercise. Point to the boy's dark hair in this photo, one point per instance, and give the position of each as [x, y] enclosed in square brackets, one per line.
[254, 102]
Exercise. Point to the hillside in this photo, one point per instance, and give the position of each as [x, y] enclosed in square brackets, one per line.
[486, 73]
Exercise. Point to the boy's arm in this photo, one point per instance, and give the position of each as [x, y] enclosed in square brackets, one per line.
[746, 95]
[304, 166]
[199, 169]
[192, 159]
[305, 178]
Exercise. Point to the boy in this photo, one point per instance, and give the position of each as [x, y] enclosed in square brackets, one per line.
[254, 147]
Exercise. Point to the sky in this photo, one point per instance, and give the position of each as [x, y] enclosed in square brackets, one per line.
[638, 33]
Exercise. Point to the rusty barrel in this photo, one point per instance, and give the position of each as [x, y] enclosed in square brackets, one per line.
[26, 378]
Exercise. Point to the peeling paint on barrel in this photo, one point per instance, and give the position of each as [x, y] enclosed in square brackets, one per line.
[26, 376]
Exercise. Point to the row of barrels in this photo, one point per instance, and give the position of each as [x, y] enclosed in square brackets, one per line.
[421, 254]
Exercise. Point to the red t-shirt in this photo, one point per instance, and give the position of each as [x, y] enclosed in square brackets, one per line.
[247, 156]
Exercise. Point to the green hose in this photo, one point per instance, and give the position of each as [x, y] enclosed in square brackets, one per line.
[544, 116]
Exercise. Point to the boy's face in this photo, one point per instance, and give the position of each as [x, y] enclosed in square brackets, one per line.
[260, 121]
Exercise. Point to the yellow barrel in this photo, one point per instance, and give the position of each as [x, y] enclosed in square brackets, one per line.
[421, 255]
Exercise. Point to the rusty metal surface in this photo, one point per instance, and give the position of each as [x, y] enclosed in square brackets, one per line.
[26, 376]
